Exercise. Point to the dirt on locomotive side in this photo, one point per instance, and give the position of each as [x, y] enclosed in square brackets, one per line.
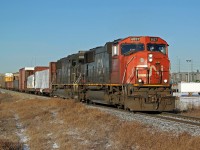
[55, 123]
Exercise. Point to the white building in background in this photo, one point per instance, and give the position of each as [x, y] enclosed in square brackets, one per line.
[185, 76]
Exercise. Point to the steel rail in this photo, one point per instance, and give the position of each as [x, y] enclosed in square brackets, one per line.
[176, 118]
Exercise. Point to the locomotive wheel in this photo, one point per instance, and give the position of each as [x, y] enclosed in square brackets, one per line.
[127, 109]
[120, 107]
[88, 102]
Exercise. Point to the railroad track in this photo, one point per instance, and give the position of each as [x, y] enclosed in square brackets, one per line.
[195, 121]
[176, 118]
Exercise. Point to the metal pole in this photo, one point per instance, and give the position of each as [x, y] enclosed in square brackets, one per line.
[192, 70]
[179, 65]
[189, 69]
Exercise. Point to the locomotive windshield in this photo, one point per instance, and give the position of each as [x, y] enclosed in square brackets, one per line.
[157, 47]
[131, 48]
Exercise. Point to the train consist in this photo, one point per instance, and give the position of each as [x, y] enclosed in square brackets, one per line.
[131, 73]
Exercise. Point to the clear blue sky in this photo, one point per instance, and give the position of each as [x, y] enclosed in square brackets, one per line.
[35, 32]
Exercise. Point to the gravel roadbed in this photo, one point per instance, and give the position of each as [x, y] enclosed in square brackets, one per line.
[173, 127]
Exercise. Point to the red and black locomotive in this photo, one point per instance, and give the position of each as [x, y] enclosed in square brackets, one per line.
[131, 73]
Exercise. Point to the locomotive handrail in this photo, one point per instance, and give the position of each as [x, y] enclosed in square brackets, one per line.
[126, 69]
[78, 80]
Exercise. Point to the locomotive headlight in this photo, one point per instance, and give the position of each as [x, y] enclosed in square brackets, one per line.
[140, 80]
[165, 81]
[150, 57]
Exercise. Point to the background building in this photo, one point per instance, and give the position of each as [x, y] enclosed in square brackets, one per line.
[185, 76]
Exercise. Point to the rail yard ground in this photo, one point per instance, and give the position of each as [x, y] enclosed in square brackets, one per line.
[40, 123]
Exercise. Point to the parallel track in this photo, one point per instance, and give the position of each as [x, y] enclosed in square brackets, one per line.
[195, 121]
[176, 118]
[164, 116]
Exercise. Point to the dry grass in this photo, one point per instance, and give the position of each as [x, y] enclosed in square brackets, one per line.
[74, 126]
[140, 137]
[5, 98]
[8, 138]
[8, 145]
[195, 112]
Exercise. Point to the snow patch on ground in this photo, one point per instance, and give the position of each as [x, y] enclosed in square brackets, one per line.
[21, 133]
[186, 102]
[55, 146]
[2, 92]
[54, 114]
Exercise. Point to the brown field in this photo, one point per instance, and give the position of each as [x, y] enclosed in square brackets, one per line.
[65, 125]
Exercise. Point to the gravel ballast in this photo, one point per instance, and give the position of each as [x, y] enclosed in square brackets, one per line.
[158, 124]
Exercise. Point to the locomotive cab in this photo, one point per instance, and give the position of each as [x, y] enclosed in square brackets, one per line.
[140, 60]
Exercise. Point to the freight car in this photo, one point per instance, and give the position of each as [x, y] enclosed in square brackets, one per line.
[24, 73]
[2, 80]
[131, 73]
[9, 81]
[16, 81]
[38, 81]
[42, 82]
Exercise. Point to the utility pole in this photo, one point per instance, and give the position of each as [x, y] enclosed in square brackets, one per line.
[192, 70]
[189, 61]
